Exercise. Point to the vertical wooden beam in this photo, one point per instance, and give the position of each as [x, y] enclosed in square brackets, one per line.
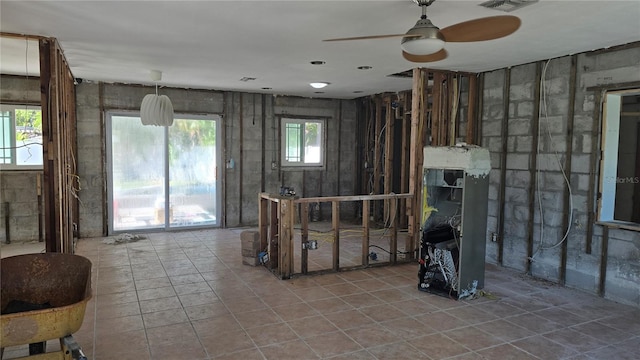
[377, 148]
[472, 110]
[436, 112]
[40, 214]
[263, 221]
[335, 220]
[377, 154]
[393, 230]
[52, 234]
[388, 147]
[285, 247]
[533, 166]
[566, 225]
[418, 120]
[365, 232]
[454, 104]
[72, 164]
[404, 160]
[304, 236]
[504, 133]
[366, 147]
[274, 234]
[604, 255]
[595, 131]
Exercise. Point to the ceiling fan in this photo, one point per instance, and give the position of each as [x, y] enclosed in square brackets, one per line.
[424, 42]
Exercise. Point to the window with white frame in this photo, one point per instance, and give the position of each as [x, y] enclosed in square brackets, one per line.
[302, 142]
[620, 166]
[20, 137]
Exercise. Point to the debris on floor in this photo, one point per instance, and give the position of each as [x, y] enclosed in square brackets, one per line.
[122, 238]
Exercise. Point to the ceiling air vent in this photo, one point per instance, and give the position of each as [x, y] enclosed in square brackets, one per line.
[407, 74]
[507, 5]
[403, 74]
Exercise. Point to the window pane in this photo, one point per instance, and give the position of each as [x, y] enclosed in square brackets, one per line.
[192, 172]
[302, 143]
[28, 137]
[5, 137]
[20, 136]
[313, 142]
[628, 172]
[293, 142]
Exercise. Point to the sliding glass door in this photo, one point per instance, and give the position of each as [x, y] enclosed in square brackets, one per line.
[163, 177]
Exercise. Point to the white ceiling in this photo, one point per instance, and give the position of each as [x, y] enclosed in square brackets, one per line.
[213, 44]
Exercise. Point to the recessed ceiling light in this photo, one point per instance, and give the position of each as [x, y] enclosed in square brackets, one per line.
[357, 92]
[318, 85]
[317, 62]
[246, 78]
[318, 92]
[365, 67]
[266, 88]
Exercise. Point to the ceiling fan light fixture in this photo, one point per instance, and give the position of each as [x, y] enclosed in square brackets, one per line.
[422, 46]
[423, 39]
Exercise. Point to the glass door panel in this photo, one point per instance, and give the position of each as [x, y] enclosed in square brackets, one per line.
[192, 171]
[137, 174]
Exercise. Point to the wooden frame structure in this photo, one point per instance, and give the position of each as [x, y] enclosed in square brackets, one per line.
[60, 184]
[59, 147]
[277, 217]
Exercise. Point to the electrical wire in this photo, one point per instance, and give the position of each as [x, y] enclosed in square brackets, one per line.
[389, 252]
[20, 146]
[545, 114]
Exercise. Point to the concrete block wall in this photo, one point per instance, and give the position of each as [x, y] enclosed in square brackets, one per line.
[594, 70]
[243, 115]
[18, 188]
[91, 99]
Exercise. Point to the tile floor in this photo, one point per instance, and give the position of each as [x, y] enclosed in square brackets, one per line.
[186, 295]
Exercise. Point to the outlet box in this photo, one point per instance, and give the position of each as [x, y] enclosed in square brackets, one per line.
[264, 257]
[494, 237]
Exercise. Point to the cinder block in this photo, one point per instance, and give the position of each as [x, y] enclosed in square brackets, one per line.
[248, 235]
[250, 252]
[251, 261]
[250, 240]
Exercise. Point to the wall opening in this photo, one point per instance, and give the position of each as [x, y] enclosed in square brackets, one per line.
[620, 165]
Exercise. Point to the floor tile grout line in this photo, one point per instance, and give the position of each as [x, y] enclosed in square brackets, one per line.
[204, 349]
[144, 325]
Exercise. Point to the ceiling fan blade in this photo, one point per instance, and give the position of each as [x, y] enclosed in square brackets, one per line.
[440, 55]
[488, 28]
[372, 37]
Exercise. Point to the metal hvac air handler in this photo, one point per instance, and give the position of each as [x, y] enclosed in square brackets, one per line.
[455, 188]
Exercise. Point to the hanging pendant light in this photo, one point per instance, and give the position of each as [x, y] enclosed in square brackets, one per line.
[156, 109]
